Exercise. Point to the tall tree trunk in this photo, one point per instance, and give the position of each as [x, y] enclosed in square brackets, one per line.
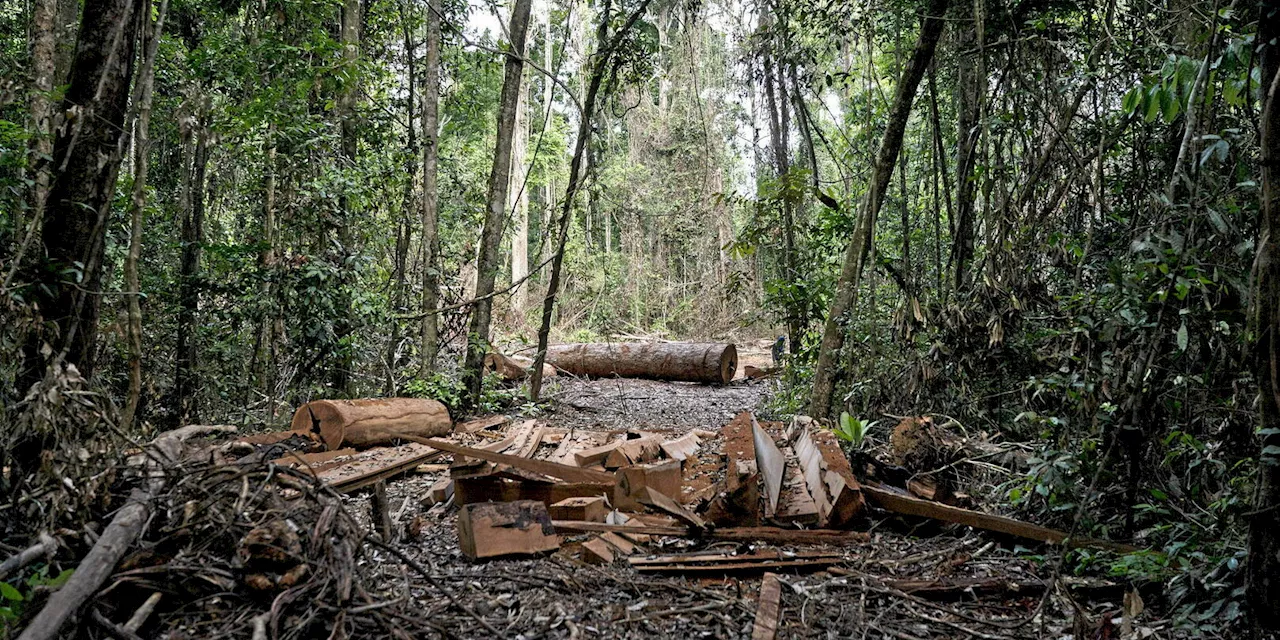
[44, 38]
[519, 204]
[430, 334]
[186, 375]
[833, 333]
[776, 100]
[86, 162]
[600, 63]
[499, 182]
[138, 203]
[969, 90]
[404, 227]
[340, 373]
[1264, 526]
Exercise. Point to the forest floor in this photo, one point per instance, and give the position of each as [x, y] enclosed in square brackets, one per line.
[560, 596]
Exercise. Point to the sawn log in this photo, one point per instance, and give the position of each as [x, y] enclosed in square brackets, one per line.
[372, 421]
[676, 361]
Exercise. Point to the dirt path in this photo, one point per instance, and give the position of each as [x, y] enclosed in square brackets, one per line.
[559, 596]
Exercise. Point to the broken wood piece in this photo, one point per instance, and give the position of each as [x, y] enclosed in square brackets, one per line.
[737, 565]
[810, 464]
[713, 557]
[441, 491]
[844, 492]
[596, 551]
[365, 468]
[591, 456]
[737, 497]
[765, 626]
[45, 548]
[633, 452]
[653, 498]
[662, 477]
[795, 506]
[511, 368]
[555, 470]
[772, 466]
[620, 544]
[492, 529]
[677, 361]
[371, 421]
[143, 612]
[529, 437]
[480, 424]
[381, 510]
[756, 373]
[772, 535]
[681, 448]
[589, 509]
[907, 505]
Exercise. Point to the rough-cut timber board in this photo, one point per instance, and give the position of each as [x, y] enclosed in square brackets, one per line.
[907, 505]
[713, 558]
[529, 437]
[682, 447]
[620, 544]
[492, 529]
[480, 424]
[765, 626]
[373, 465]
[314, 463]
[772, 535]
[843, 489]
[653, 498]
[562, 471]
[737, 500]
[632, 482]
[772, 465]
[810, 463]
[488, 488]
[790, 566]
[588, 457]
[634, 451]
[796, 505]
[463, 465]
[589, 509]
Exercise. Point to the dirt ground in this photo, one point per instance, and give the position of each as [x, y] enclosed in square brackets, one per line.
[560, 596]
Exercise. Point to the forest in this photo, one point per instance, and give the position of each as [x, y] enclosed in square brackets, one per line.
[1039, 226]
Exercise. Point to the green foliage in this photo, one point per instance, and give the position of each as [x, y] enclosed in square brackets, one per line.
[13, 600]
[853, 430]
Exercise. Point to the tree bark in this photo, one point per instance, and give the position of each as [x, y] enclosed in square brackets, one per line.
[833, 332]
[138, 203]
[86, 162]
[519, 203]
[499, 182]
[404, 225]
[679, 361]
[340, 373]
[44, 39]
[1263, 573]
[430, 334]
[970, 88]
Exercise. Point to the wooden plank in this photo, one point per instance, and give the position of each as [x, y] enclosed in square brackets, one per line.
[842, 487]
[480, 424]
[492, 529]
[632, 481]
[810, 463]
[737, 497]
[791, 566]
[653, 498]
[681, 448]
[555, 470]
[489, 488]
[373, 465]
[590, 509]
[634, 451]
[795, 505]
[771, 464]
[772, 535]
[727, 558]
[765, 626]
[530, 437]
[911, 506]
[620, 544]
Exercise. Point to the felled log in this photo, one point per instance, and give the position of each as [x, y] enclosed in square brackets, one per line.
[372, 421]
[492, 529]
[907, 505]
[676, 361]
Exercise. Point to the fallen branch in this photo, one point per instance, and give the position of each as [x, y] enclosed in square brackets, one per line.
[42, 549]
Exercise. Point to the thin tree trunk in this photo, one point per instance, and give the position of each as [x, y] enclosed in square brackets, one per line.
[1263, 572]
[430, 335]
[833, 332]
[781, 166]
[340, 374]
[86, 162]
[519, 204]
[601, 65]
[499, 182]
[138, 203]
[44, 38]
[969, 89]
[186, 375]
